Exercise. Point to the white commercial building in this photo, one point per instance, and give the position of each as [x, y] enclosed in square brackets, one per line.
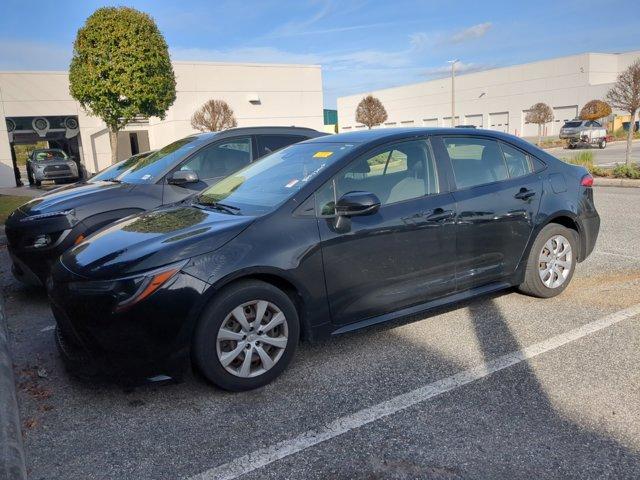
[498, 99]
[37, 106]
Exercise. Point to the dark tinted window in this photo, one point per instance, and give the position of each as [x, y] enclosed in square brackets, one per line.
[476, 161]
[270, 143]
[572, 124]
[395, 173]
[518, 162]
[220, 159]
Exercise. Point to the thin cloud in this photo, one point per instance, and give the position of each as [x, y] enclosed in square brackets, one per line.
[476, 31]
[461, 67]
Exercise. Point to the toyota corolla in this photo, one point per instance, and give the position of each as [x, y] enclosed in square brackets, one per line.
[324, 237]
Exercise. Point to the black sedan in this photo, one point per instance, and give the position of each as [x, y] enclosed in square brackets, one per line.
[39, 231]
[321, 238]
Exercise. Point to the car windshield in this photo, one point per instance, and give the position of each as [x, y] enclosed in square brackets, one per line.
[117, 169]
[147, 169]
[262, 186]
[44, 155]
[572, 124]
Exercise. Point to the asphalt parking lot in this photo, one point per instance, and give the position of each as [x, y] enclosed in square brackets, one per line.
[444, 397]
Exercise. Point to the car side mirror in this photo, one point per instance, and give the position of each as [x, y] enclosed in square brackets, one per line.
[183, 177]
[357, 203]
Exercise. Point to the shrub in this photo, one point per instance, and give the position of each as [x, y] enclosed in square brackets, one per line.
[585, 159]
[626, 171]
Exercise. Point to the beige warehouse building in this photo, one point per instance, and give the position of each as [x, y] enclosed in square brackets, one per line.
[36, 106]
[498, 99]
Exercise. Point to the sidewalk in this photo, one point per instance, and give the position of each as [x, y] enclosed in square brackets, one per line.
[21, 191]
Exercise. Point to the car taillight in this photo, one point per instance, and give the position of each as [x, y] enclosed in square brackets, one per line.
[587, 181]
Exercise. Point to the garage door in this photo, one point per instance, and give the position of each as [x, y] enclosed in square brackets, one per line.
[561, 115]
[499, 121]
[475, 120]
[430, 122]
[529, 129]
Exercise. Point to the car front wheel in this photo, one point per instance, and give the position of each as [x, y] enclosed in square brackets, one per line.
[247, 336]
[551, 262]
[602, 144]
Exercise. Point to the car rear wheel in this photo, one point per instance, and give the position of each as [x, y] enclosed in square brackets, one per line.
[551, 262]
[247, 336]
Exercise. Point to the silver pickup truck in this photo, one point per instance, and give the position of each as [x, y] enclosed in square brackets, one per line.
[578, 132]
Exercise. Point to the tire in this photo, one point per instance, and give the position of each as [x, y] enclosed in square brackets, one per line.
[571, 146]
[533, 283]
[30, 176]
[209, 350]
[602, 144]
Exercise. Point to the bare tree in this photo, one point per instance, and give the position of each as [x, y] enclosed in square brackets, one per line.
[213, 116]
[540, 114]
[595, 110]
[370, 112]
[625, 96]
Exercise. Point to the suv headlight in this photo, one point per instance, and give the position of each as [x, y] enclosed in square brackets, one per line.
[129, 290]
[38, 216]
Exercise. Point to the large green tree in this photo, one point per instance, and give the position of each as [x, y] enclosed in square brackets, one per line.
[121, 68]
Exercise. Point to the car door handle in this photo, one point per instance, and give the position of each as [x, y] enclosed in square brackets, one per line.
[439, 214]
[524, 194]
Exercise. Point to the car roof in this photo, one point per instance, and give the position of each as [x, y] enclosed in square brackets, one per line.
[274, 130]
[382, 134]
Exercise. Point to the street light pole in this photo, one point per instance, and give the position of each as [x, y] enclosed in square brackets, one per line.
[453, 91]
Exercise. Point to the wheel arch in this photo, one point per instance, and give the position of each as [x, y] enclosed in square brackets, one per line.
[273, 277]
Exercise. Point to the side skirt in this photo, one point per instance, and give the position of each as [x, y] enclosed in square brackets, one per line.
[424, 307]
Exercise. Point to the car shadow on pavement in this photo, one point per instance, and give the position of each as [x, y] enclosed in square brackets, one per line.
[510, 428]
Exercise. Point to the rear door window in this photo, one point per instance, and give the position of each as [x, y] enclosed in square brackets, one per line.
[475, 161]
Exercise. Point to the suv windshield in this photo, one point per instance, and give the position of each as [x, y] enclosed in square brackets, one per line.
[43, 155]
[147, 168]
[572, 124]
[262, 186]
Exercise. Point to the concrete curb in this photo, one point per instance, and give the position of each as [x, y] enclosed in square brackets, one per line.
[12, 458]
[616, 182]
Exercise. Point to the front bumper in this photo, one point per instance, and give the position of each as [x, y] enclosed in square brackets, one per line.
[32, 265]
[51, 173]
[151, 338]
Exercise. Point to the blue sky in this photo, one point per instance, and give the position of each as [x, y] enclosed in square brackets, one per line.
[362, 45]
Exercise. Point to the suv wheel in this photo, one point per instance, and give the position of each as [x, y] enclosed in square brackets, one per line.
[551, 262]
[247, 336]
[602, 144]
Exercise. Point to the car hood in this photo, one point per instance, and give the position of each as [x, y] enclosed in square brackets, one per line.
[153, 239]
[73, 196]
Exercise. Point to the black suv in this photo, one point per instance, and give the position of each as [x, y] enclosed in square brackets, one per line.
[39, 231]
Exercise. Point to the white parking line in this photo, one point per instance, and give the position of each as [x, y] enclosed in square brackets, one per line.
[263, 457]
[49, 328]
[617, 254]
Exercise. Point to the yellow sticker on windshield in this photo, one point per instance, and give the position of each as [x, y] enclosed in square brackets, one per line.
[322, 154]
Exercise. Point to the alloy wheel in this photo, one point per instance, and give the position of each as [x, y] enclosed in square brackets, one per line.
[252, 338]
[555, 261]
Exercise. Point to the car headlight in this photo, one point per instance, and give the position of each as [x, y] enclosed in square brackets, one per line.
[129, 290]
[38, 216]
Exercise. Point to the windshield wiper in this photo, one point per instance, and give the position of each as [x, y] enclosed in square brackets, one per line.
[219, 206]
[114, 180]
